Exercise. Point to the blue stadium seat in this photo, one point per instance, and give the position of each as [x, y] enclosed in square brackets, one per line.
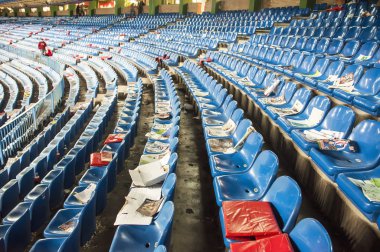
[99, 176]
[367, 157]
[367, 34]
[145, 238]
[52, 244]
[55, 181]
[367, 86]
[251, 185]
[285, 198]
[26, 181]
[316, 104]
[310, 236]
[239, 132]
[67, 165]
[168, 187]
[305, 67]
[15, 232]
[348, 51]
[74, 217]
[301, 96]
[339, 118]
[38, 198]
[357, 70]
[369, 208]
[88, 211]
[335, 47]
[9, 197]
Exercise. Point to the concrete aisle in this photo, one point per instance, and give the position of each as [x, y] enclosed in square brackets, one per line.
[196, 224]
[105, 229]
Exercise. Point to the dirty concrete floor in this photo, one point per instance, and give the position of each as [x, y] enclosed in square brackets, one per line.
[105, 230]
[196, 222]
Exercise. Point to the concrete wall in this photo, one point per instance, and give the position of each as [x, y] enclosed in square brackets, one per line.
[280, 3]
[104, 11]
[208, 6]
[46, 14]
[194, 7]
[235, 5]
[169, 8]
[63, 13]
[146, 9]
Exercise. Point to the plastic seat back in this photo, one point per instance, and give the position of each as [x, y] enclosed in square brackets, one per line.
[340, 118]
[168, 187]
[367, 136]
[285, 197]
[264, 170]
[252, 147]
[310, 236]
[367, 50]
[369, 83]
[352, 33]
[164, 221]
[335, 47]
[241, 128]
[357, 70]
[367, 34]
[320, 102]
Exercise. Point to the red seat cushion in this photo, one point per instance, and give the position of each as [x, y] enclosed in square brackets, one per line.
[276, 243]
[249, 219]
[114, 138]
[100, 158]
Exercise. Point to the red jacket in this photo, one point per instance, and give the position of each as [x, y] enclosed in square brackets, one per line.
[49, 53]
[42, 45]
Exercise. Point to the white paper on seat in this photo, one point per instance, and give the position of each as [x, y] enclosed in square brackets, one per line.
[85, 195]
[370, 190]
[149, 174]
[128, 215]
[151, 192]
[314, 135]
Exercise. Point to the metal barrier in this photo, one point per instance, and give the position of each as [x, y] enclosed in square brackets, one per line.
[15, 133]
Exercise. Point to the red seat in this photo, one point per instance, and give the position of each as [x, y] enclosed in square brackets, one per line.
[114, 138]
[277, 243]
[254, 219]
[100, 158]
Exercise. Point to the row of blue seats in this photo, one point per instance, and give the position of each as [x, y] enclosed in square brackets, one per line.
[154, 52]
[19, 220]
[183, 49]
[237, 172]
[32, 151]
[148, 237]
[345, 33]
[221, 36]
[316, 71]
[97, 181]
[144, 61]
[339, 119]
[354, 9]
[339, 20]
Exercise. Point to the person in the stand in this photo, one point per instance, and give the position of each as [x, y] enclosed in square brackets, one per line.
[42, 46]
[77, 10]
[159, 62]
[48, 52]
[82, 10]
[133, 13]
[140, 7]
